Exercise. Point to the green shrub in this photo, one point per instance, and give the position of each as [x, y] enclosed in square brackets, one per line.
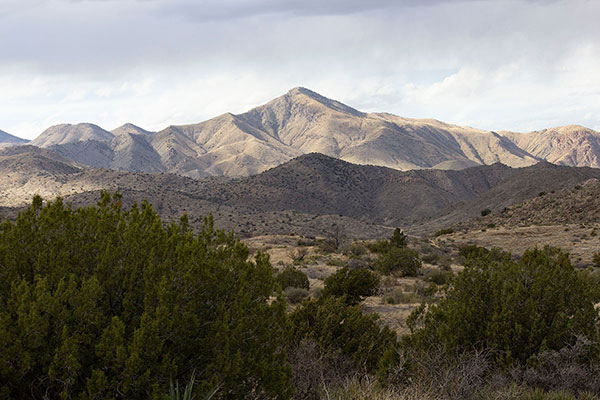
[295, 295]
[397, 296]
[400, 260]
[335, 261]
[470, 251]
[516, 309]
[485, 211]
[337, 327]
[104, 303]
[356, 249]
[439, 277]
[446, 231]
[398, 239]
[292, 277]
[354, 285]
[327, 246]
[379, 246]
[596, 260]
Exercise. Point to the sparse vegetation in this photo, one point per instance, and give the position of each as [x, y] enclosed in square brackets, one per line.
[505, 327]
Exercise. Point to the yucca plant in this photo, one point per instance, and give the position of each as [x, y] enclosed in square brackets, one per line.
[188, 391]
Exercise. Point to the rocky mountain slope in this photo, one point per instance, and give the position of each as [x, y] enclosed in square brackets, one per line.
[524, 184]
[576, 204]
[567, 145]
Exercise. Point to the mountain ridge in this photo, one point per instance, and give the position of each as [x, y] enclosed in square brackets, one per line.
[302, 121]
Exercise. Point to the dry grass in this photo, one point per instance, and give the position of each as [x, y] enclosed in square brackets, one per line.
[576, 239]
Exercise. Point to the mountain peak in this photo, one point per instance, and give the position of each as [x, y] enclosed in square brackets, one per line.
[68, 133]
[131, 129]
[299, 92]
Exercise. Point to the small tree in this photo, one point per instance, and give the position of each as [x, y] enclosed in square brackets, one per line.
[398, 238]
[355, 285]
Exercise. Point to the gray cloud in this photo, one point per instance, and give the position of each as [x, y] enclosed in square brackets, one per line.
[492, 63]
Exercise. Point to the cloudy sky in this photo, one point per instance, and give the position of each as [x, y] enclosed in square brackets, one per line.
[499, 64]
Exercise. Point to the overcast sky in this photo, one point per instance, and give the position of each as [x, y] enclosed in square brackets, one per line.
[518, 65]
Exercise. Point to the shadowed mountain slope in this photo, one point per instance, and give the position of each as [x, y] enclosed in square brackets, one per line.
[6, 139]
[304, 195]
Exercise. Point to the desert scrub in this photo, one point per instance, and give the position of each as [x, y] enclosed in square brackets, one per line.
[292, 277]
[351, 284]
[398, 296]
[516, 309]
[295, 295]
[441, 232]
[438, 276]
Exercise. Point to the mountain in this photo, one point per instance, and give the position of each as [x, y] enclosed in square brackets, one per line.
[572, 145]
[130, 128]
[303, 121]
[128, 148]
[524, 184]
[133, 152]
[575, 204]
[66, 133]
[6, 139]
[315, 183]
[307, 195]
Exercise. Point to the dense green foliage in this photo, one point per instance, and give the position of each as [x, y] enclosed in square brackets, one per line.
[104, 303]
[394, 256]
[292, 277]
[515, 309]
[473, 251]
[400, 260]
[335, 326]
[596, 260]
[398, 239]
[353, 285]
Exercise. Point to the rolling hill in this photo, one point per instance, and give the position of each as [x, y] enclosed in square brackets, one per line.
[306, 195]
